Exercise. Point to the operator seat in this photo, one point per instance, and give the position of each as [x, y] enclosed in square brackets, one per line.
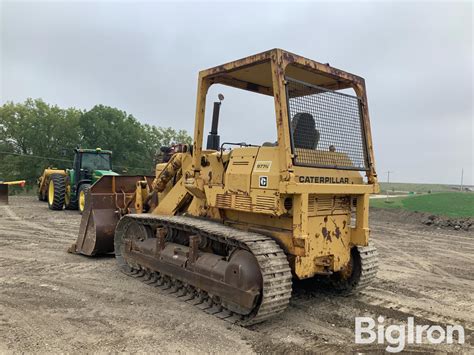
[305, 134]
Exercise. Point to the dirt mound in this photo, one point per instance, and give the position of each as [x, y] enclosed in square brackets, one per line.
[455, 223]
[434, 221]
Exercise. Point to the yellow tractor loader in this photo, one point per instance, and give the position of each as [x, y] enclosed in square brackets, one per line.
[228, 227]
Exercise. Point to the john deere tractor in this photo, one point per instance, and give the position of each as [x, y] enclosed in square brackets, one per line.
[67, 188]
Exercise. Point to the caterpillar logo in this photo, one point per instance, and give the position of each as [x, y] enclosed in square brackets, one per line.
[323, 180]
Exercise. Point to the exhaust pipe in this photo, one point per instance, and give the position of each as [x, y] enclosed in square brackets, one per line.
[213, 139]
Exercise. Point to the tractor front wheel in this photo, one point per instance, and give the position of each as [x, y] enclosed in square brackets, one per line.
[82, 196]
[69, 202]
[56, 192]
[41, 196]
[41, 192]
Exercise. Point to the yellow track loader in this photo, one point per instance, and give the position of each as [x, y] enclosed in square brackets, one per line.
[228, 228]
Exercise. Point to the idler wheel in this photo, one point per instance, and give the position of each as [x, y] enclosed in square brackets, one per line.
[244, 272]
[131, 231]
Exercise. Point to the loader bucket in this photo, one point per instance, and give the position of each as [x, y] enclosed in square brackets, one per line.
[106, 201]
[3, 194]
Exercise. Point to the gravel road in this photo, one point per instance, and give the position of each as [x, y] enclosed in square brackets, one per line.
[52, 301]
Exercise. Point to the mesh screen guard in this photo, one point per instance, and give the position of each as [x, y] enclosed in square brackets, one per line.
[326, 127]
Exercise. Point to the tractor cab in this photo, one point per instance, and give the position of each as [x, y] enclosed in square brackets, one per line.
[89, 165]
[88, 161]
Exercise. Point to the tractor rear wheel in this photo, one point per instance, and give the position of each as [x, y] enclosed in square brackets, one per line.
[82, 196]
[56, 192]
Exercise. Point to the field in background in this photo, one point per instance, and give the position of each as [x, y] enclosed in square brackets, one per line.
[417, 188]
[451, 204]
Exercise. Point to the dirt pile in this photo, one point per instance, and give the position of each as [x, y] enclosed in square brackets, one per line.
[419, 218]
[447, 222]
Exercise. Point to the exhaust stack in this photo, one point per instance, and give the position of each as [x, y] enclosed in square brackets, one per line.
[213, 139]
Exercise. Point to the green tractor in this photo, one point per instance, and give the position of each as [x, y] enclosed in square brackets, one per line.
[67, 188]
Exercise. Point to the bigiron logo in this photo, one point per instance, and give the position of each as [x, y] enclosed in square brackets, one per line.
[397, 336]
[323, 180]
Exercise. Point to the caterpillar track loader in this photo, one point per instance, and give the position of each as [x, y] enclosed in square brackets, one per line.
[227, 228]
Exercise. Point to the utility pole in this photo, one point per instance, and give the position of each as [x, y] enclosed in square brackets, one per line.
[388, 182]
[462, 178]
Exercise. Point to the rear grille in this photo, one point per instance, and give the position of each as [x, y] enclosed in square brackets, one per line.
[324, 203]
[312, 203]
[327, 205]
[342, 203]
[265, 204]
[243, 202]
[223, 200]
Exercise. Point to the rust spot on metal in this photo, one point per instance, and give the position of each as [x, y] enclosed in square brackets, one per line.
[289, 57]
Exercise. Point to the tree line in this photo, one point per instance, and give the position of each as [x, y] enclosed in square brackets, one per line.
[35, 135]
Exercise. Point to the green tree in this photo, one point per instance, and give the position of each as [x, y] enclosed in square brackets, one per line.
[35, 135]
[135, 146]
[115, 130]
[157, 137]
[35, 129]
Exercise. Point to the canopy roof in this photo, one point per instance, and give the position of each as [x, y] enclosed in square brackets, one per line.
[254, 73]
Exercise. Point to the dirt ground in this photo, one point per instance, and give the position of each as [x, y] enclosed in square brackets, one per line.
[52, 301]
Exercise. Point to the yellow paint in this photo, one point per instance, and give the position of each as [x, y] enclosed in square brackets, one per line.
[18, 182]
[51, 193]
[67, 196]
[259, 188]
[82, 201]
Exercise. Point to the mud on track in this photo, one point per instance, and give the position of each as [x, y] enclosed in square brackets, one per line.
[52, 301]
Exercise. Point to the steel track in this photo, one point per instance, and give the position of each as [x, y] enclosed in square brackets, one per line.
[277, 278]
[369, 266]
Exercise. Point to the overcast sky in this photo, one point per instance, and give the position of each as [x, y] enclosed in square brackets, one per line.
[144, 57]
